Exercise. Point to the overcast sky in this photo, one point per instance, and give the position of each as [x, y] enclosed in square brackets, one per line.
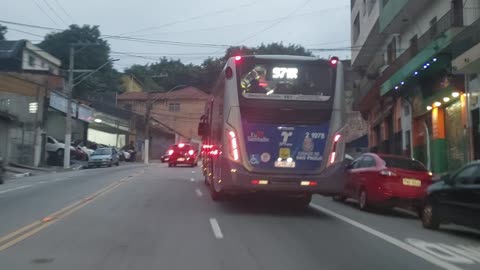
[313, 24]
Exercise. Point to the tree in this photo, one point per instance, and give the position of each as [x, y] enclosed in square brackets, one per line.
[86, 57]
[205, 75]
[3, 31]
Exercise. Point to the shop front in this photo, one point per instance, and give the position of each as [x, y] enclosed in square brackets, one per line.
[108, 130]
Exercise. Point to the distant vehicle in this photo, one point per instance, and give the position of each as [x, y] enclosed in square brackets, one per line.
[104, 157]
[386, 181]
[182, 154]
[275, 124]
[454, 199]
[55, 146]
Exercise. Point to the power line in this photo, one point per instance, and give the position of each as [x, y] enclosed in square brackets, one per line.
[54, 12]
[44, 12]
[64, 11]
[190, 18]
[25, 32]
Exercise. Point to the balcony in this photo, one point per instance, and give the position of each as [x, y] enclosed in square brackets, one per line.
[436, 39]
[394, 14]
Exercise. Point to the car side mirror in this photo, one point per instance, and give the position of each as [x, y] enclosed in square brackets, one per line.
[203, 129]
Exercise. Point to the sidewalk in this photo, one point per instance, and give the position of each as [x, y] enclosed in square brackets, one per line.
[15, 171]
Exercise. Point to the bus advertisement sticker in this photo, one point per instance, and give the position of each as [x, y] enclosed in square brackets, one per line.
[284, 153]
[265, 157]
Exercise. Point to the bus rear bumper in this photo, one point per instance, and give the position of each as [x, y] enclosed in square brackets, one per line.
[236, 179]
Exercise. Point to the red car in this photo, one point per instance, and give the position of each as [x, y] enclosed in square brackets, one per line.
[386, 181]
[182, 154]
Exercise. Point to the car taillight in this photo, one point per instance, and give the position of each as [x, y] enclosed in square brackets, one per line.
[308, 183]
[170, 152]
[191, 152]
[234, 145]
[387, 173]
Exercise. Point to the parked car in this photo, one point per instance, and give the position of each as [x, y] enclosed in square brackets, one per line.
[104, 157]
[182, 154]
[57, 147]
[386, 181]
[454, 199]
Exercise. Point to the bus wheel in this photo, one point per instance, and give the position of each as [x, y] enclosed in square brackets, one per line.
[215, 195]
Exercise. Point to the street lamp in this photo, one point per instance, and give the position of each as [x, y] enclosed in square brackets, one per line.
[150, 104]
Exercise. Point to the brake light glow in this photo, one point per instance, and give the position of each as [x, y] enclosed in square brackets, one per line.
[334, 61]
[238, 58]
[234, 145]
[332, 157]
[259, 182]
[181, 145]
[214, 152]
[308, 183]
[170, 152]
[337, 138]
[191, 152]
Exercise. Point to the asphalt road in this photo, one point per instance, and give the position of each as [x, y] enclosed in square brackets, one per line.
[137, 217]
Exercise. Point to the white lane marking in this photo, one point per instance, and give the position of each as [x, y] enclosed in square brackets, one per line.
[192, 179]
[13, 189]
[59, 179]
[199, 192]
[216, 228]
[413, 250]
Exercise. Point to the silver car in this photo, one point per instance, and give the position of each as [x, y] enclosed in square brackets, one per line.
[104, 157]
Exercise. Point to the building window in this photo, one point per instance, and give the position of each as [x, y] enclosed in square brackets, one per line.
[174, 107]
[356, 28]
[31, 60]
[392, 51]
[127, 106]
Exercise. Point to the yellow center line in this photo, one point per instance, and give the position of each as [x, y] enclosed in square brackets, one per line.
[35, 227]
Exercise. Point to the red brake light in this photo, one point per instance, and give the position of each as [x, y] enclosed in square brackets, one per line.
[334, 61]
[337, 138]
[238, 58]
[234, 145]
[181, 145]
[170, 152]
[191, 152]
[332, 157]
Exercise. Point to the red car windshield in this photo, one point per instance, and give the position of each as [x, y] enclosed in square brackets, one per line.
[403, 163]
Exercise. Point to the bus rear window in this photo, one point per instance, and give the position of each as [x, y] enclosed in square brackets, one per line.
[403, 163]
[286, 81]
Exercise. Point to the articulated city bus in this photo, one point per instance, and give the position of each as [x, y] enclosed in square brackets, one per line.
[274, 124]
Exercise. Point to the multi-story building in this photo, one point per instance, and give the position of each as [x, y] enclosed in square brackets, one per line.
[178, 111]
[413, 100]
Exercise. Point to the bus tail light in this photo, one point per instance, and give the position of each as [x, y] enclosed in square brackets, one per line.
[170, 152]
[234, 145]
[191, 152]
[333, 155]
[259, 182]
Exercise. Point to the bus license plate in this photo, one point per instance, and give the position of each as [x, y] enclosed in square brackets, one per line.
[412, 182]
[284, 164]
[180, 159]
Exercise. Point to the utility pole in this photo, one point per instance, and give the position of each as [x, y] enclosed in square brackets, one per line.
[149, 104]
[68, 123]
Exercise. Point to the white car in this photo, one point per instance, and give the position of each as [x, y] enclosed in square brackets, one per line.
[53, 145]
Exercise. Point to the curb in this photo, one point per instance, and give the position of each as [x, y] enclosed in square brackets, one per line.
[21, 175]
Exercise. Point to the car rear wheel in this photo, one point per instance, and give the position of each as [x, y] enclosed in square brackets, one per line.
[363, 200]
[429, 217]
